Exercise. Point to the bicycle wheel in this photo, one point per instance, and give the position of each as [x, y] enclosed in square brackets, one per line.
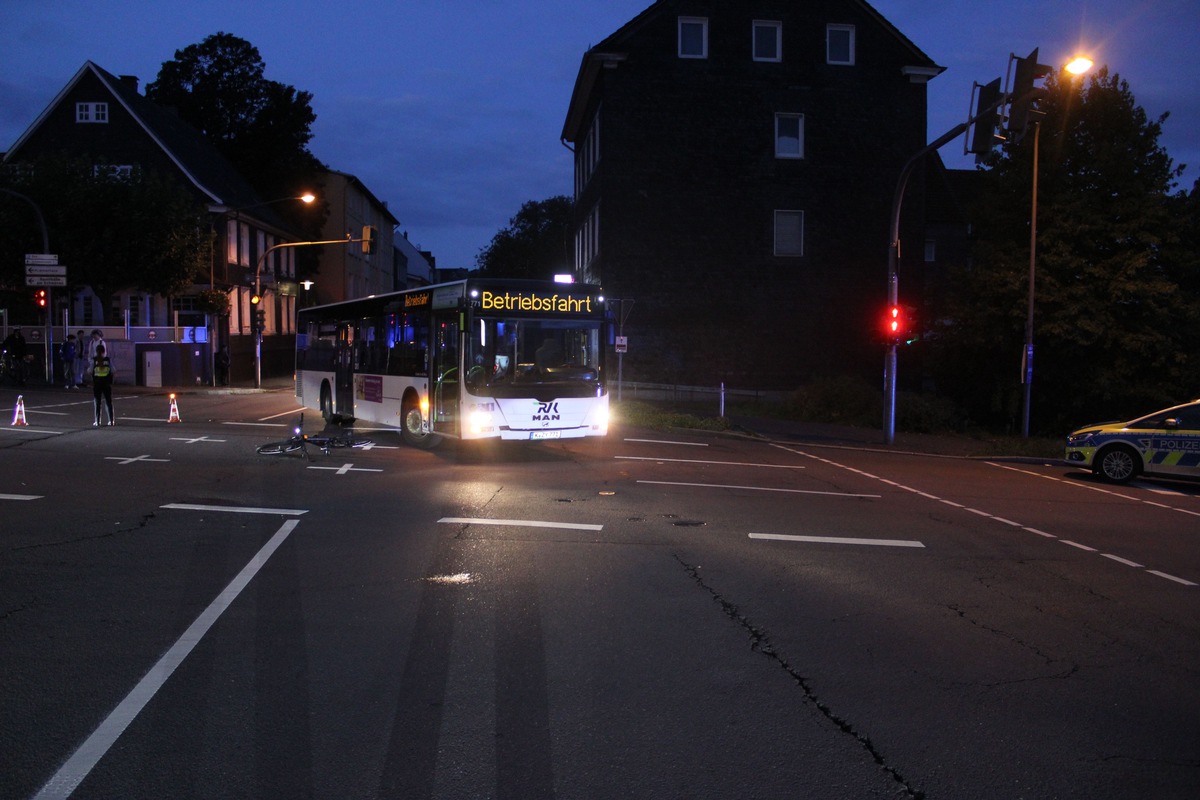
[350, 440]
[279, 448]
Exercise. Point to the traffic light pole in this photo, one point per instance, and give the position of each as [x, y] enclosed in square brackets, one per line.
[893, 288]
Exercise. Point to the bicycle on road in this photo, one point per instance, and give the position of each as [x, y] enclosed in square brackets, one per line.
[324, 442]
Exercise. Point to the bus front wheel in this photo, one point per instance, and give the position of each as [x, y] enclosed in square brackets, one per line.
[413, 433]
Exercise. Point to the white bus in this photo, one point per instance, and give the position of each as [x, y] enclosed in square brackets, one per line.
[471, 359]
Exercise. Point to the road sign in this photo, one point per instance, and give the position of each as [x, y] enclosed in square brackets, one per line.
[40, 258]
[45, 280]
[622, 344]
[45, 269]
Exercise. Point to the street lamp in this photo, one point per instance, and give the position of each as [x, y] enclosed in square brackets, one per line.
[1077, 66]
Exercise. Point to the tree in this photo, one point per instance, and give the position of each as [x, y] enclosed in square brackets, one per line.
[115, 230]
[1113, 332]
[536, 243]
[262, 126]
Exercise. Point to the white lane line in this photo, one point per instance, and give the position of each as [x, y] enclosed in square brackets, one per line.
[196, 439]
[77, 767]
[287, 512]
[277, 416]
[43, 411]
[698, 461]
[780, 537]
[24, 429]
[1124, 561]
[258, 424]
[20, 497]
[522, 523]
[758, 489]
[1170, 577]
[665, 441]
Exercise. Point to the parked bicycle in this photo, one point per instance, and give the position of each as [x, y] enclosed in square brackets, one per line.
[325, 442]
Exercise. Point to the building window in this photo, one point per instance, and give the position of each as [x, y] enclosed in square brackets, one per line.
[587, 240]
[839, 44]
[930, 250]
[789, 233]
[693, 37]
[91, 112]
[587, 155]
[789, 136]
[231, 241]
[767, 41]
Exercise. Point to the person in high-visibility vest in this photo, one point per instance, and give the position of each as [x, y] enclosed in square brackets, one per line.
[102, 380]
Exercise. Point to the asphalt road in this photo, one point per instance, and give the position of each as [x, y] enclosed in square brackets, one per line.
[666, 615]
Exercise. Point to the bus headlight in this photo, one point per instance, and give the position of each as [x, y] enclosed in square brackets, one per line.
[480, 421]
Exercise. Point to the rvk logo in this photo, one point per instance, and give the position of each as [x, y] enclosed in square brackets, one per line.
[546, 412]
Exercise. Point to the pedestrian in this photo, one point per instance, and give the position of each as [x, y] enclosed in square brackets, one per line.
[102, 381]
[221, 362]
[14, 349]
[81, 358]
[68, 362]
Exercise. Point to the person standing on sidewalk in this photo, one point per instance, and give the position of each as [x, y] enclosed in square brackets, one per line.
[81, 358]
[67, 356]
[102, 380]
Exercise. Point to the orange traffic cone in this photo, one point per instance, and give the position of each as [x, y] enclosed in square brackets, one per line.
[19, 414]
[174, 411]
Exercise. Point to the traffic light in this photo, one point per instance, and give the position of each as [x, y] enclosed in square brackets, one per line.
[256, 313]
[1024, 94]
[370, 238]
[39, 298]
[987, 118]
[893, 324]
[260, 319]
[899, 324]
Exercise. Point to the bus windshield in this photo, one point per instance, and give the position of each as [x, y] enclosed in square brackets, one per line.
[507, 357]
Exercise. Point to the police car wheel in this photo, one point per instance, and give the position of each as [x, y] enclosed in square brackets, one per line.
[1117, 464]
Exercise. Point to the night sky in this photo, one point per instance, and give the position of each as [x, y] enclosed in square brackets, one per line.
[450, 110]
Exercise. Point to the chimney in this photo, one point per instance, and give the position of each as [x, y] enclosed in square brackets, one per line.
[131, 81]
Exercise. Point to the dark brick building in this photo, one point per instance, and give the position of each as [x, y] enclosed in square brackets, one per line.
[735, 164]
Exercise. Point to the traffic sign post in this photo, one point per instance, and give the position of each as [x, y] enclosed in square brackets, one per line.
[43, 269]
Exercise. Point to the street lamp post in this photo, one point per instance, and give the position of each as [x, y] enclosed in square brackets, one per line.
[1078, 66]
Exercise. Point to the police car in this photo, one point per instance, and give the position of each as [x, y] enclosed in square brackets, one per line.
[1164, 443]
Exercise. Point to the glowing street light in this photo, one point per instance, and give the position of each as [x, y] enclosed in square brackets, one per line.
[1079, 65]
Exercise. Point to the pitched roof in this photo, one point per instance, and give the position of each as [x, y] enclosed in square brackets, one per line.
[197, 159]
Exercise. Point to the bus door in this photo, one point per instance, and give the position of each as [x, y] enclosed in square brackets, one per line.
[446, 370]
[343, 370]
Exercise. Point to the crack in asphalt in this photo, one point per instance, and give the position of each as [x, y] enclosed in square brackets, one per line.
[760, 641]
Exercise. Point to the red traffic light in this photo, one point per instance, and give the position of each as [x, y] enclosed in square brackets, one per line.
[39, 297]
[899, 324]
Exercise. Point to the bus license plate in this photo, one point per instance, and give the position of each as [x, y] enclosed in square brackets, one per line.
[545, 434]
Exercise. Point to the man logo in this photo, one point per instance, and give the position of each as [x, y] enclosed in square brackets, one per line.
[547, 412]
